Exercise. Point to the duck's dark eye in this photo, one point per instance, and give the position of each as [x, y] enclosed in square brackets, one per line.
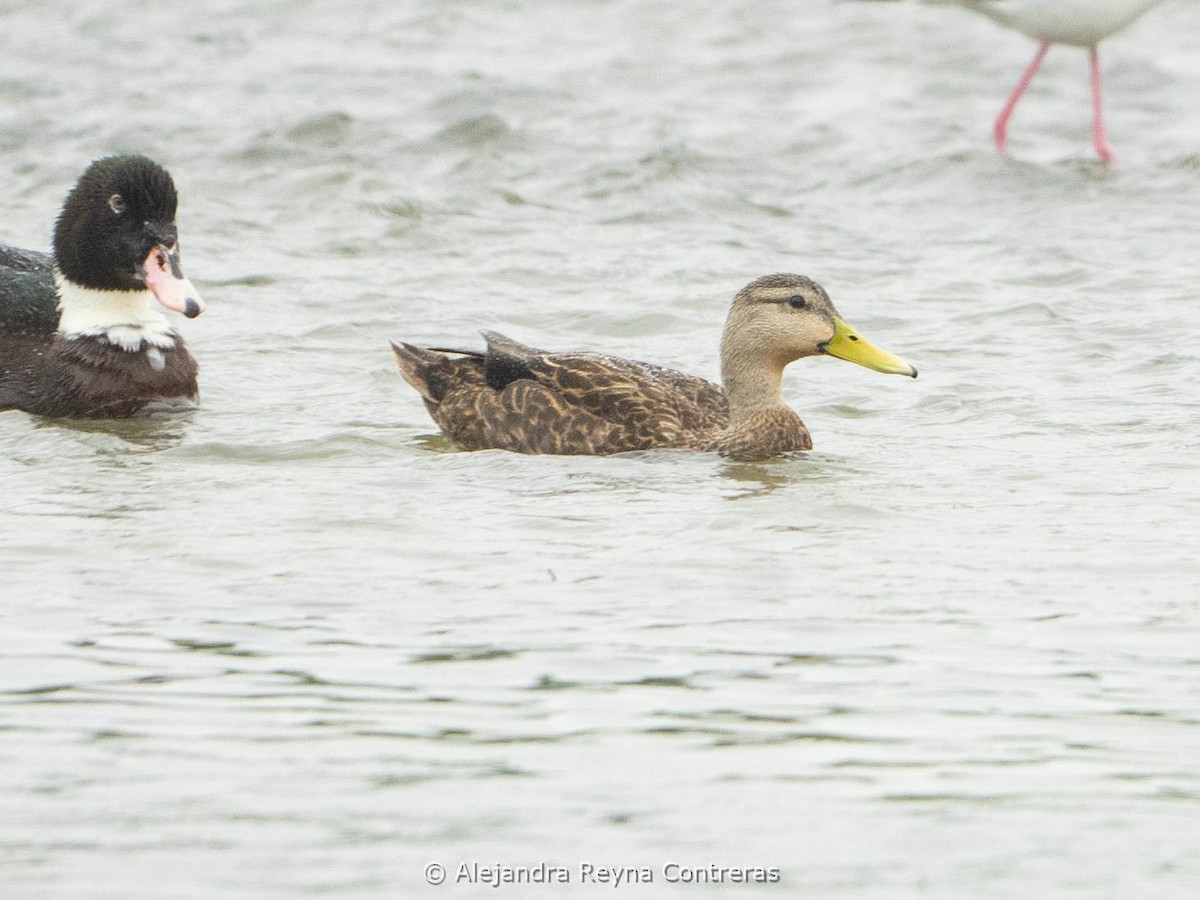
[116, 203]
[797, 302]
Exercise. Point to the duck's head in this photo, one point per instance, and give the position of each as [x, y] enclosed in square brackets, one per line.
[117, 232]
[778, 319]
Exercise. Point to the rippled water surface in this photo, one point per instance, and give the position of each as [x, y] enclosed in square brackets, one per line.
[293, 644]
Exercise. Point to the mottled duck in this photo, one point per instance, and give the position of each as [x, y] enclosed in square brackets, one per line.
[513, 397]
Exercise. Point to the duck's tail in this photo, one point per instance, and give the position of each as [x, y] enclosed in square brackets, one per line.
[427, 368]
[413, 363]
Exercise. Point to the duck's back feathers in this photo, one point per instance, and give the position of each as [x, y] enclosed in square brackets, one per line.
[28, 261]
[27, 298]
[514, 397]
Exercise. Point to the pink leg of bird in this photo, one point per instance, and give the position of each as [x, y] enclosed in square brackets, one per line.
[1098, 137]
[1001, 129]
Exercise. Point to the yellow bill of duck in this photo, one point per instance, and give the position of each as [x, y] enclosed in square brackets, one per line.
[847, 344]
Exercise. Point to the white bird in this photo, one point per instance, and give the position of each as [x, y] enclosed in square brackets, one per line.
[1079, 23]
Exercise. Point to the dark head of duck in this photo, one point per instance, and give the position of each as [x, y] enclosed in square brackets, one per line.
[117, 232]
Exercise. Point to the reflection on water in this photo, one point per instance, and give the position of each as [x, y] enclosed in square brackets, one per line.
[435, 443]
[761, 478]
[157, 430]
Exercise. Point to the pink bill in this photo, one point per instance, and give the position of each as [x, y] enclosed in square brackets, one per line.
[165, 279]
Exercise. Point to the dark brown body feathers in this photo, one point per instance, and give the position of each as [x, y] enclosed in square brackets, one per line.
[53, 375]
[514, 397]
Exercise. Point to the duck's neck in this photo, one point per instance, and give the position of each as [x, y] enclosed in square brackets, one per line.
[126, 319]
[752, 385]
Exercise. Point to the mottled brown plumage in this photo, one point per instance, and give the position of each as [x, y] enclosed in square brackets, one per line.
[514, 397]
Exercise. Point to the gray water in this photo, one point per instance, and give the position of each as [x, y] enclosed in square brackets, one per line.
[293, 644]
